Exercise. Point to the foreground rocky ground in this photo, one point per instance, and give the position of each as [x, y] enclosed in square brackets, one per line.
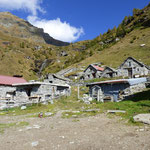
[98, 132]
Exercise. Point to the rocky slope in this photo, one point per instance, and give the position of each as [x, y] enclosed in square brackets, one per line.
[14, 26]
[24, 49]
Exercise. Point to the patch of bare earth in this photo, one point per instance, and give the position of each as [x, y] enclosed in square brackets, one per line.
[91, 133]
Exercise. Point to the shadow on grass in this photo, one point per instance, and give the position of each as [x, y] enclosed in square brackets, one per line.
[145, 95]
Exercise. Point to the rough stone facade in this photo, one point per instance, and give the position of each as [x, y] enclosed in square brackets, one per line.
[91, 72]
[132, 68]
[28, 93]
[114, 90]
[56, 79]
[109, 73]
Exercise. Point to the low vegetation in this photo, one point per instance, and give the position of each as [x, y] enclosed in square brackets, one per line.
[4, 126]
[72, 107]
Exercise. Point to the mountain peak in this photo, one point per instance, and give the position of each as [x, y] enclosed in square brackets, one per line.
[17, 27]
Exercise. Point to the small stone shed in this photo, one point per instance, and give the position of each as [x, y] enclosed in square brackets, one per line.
[40, 92]
[112, 89]
[109, 73]
[54, 78]
[132, 68]
[91, 72]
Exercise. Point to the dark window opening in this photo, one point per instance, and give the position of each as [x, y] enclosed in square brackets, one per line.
[28, 91]
[129, 64]
[94, 75]
[111, 75]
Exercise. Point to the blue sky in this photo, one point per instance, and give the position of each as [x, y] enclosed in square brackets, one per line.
[69, 20]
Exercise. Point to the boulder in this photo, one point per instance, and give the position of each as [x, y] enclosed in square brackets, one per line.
[142, 45]
[48, 114]
[116, 111]
[34, 143]
[23, 107]
[145, 118]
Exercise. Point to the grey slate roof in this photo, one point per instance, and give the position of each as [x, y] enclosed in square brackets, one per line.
[140, 63]
[132, 81]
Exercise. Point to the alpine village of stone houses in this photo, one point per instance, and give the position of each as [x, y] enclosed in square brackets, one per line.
[60, 91]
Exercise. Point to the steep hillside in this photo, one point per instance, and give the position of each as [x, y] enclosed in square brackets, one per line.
[32, 60]
[16, 27]
[130, 45]
[114, 46]
[23, 50]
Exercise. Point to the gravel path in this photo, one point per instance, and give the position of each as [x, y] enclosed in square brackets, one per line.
[91, 133]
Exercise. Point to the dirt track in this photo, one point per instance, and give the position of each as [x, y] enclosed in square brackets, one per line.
[91, 133]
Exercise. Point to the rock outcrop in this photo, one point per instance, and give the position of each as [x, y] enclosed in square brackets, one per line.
[15, 26]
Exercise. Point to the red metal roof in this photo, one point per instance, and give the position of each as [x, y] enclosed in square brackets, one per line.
[7, 80]
[99, 68]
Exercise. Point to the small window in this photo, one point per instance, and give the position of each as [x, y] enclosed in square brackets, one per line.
[129, 64]
[138, 69]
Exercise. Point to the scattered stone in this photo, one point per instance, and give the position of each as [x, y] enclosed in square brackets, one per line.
[62, 137]
[28, 128]
[142, 45]
[117, 39]
[63, 53]
[36, 126]
[87, 99]
[101, 43]
[23, 107]
[48, 114]
[116, 111]
[71, 142]
[3, 107]
[141, 130]
[74, 115]
[145, 118]
[75, 111]
[34, 143]
[37, 47]
[91, 110]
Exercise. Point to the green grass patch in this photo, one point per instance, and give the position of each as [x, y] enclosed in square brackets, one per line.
[4, 126]
[33, 109]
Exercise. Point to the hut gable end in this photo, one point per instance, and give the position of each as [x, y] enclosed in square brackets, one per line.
[131, 62]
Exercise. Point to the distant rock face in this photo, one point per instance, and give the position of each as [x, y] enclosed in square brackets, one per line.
[14, 26]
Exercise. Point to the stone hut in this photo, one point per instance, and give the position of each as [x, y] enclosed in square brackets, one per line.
[133, 68]
[54, 78]
[40, 92]
[114, 90]
[91, 72]
[17, 91]
[109, 73]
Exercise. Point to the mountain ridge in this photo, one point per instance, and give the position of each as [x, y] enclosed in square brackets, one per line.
[24, 56]
[15, 26]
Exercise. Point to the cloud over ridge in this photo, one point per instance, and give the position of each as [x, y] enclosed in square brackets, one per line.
[56, 28]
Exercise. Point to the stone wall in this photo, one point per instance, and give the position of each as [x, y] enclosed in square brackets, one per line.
[91, 73]
[108, 74]
[134, 89]
[5, 89]
[28, 94]
[137, 69]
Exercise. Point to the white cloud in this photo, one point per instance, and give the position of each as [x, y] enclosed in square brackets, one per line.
[31, 6]
[57, 29]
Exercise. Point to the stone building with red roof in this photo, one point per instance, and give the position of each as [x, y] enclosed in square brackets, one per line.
[92, 71]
